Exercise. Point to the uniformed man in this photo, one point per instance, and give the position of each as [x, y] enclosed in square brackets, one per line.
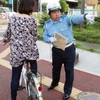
[62, 24]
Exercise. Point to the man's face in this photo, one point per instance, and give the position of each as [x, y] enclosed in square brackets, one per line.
[55, 15]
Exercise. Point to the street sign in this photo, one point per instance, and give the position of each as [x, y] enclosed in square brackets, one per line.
[10, 1]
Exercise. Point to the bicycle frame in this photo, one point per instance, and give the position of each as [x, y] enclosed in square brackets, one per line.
[37, 84]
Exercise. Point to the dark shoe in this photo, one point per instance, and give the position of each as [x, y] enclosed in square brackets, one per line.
[66, 97]
[20, 88]
[52, 87]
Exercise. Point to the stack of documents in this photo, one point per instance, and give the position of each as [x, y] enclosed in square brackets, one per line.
[61, 41]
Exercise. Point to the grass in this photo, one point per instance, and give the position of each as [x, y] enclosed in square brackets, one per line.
[90, 34]
[40, 32]
[87, 49]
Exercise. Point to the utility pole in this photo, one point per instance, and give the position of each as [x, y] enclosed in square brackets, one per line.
[82, 12]
[12, 5]
[40, 7]
[17, 4]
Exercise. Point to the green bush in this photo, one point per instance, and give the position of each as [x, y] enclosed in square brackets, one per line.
[0, 10]
[44, 18]
[97, 25]
[40, 32]
[97, 19]
[64, 6]
[90, 34]
[97, 22]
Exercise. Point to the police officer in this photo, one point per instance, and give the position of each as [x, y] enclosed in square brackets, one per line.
[62, 24]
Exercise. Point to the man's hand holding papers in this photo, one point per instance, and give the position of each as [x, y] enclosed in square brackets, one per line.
[60, 42]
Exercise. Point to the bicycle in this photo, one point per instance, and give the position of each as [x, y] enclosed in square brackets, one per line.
[32, 83]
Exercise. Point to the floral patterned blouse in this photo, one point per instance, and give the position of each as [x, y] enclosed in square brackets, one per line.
[22, 32]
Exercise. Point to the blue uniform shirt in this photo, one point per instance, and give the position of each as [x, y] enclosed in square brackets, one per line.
[63, 27]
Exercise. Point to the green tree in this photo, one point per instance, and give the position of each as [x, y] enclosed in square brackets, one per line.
[3, 2]
[44, 10]
[15, 5]
[44, 18]
[98, 1]
[64, 6]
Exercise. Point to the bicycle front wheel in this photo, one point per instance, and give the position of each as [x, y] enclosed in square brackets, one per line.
[34, 89]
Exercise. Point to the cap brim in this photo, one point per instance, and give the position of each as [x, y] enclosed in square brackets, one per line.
[54, 9]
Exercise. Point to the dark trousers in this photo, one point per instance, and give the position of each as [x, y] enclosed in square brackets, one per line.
[16, 72]
[66, 57]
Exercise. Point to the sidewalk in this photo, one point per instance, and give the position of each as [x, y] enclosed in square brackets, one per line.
[2, 28]
[82, 81]
[88, 62]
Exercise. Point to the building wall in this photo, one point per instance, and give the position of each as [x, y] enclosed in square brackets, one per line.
[97, 6]
[91, 2]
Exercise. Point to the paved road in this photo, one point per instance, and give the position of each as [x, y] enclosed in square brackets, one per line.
[1, 34]
[87, 74]
[83, 81]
